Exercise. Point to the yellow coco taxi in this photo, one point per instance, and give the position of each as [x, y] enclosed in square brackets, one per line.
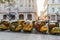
[17, 25]
[43, 29]
[5, 25]
[55, 30]
[21, 22]
[40, 26]
[52, 24]
[28, 26]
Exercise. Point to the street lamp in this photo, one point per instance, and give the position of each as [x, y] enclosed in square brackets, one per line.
[48, 22]
[17, 10]
[48, 18]
[57, 15]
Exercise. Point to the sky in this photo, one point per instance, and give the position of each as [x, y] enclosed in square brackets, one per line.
[40, 6]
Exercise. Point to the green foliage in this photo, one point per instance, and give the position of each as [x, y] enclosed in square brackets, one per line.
[2, 2]
[10, 2]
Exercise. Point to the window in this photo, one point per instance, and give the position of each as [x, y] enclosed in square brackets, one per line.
[12, 17]
[58, 17]
[21, 16]
[4, 16]
[29, 3]
[21, 5]
[53, 1]
[59, 1]
[29, 17]
[53, 9]
[33, 1]
[52, 17]
[58, 9]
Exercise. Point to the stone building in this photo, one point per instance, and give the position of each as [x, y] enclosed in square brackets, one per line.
[52, 9]
[21, 10]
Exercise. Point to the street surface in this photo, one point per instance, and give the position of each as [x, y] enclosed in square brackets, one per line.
[27, 36]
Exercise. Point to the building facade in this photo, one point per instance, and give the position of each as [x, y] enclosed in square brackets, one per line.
[21, 10]
[52, 9]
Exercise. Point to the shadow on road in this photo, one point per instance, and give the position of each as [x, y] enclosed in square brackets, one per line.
[35, 32]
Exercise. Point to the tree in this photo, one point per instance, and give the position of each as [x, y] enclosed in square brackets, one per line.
[10, 2]
[2, 2]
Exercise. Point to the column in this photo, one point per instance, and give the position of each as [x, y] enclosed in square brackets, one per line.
[1, 17]
[16, 15]
[56, 17]
[33, 16]
[50, 17]
[25, 16]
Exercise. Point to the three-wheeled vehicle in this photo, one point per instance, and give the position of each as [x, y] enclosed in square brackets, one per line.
[17, 26]
[4, 25]
[40, 26]
[28, 26]
[53, 25]
[55, 30]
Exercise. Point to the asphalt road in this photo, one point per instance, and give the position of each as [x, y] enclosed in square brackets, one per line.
[27, 36]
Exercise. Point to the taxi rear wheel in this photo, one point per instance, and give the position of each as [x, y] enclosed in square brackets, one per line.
[27, 31]
[30, 31]
[0, 29]
[44, 32]
[19, 30]
[55, 33]
[3, 29]
[24, 31]
[10, 30]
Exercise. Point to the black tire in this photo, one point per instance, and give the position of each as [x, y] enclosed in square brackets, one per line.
[53, 33]
[0, 29]
[24, 31]
[10, 30]
[18, 30]
[44, 32]
[3, 29]
[31, 30]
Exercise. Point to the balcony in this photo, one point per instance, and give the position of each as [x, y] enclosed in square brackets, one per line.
[26, 9]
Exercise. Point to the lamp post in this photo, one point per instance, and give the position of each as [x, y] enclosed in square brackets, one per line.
[17, 10]
[48, 18]
[48, 22]
[57, 18]
[9, 13]
[57, 15]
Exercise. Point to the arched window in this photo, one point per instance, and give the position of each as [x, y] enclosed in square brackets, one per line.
[12, 17]
[21, 16]
[29, 16]
[4, 16]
